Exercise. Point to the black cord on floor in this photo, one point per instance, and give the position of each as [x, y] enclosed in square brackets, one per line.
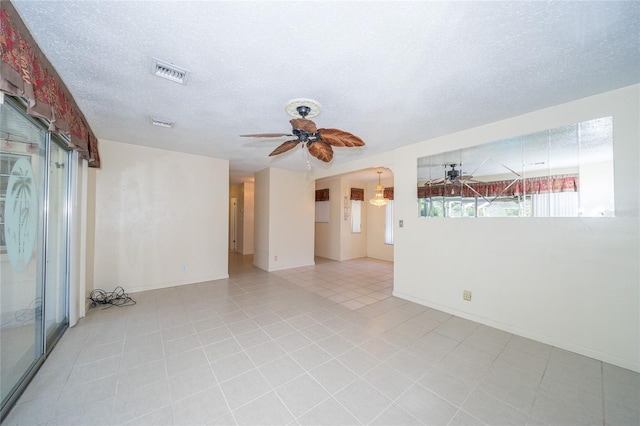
[115, 298]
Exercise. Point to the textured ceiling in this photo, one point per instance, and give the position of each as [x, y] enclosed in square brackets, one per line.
[393, 73]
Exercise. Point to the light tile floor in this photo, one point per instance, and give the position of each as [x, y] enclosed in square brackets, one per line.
[322, 345]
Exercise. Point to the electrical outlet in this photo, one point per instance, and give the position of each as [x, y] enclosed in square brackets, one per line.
[275, 258]
[466, 295]
[401, 223]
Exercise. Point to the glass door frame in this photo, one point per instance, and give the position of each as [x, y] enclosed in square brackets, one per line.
[42, 345]
[51, 340]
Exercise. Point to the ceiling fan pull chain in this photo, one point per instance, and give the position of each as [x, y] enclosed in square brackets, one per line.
[307, 164]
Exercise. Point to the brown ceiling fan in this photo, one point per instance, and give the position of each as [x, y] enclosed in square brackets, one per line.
[317, 141]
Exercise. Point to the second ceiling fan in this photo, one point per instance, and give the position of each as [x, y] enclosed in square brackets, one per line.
[452, 175]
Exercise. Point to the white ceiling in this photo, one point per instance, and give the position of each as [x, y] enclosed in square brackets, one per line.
[393, 73]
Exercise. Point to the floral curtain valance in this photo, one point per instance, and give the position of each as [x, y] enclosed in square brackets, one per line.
[388, 193]
[26, 72]
[357, 194]
[322, 194]
[506, 188]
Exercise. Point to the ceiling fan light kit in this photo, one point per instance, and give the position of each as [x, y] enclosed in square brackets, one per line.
[318, 142]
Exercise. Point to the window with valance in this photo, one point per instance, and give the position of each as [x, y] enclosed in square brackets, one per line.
[322, 205]
[504, 188]
[322, 194]
[357, 194]
[388, 193]
[26, 73]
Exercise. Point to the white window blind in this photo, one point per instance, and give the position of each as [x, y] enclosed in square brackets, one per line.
[356, 219]
[388, 224]
[556, 204]
[322, 211]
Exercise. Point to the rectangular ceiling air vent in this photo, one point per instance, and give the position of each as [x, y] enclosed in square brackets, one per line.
[162, 122]
[169, 71]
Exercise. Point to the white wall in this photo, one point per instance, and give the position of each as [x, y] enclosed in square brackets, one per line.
[352, 245]
[327, 234]
[244, 216]
[334, 240]
[595, 197]
[570, 282]
[261, 203]
[161, 218]
[235, 218]
[90, 244]
[247, 215]
[284, 225]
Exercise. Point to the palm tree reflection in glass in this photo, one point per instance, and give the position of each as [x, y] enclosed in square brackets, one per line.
[20, 215]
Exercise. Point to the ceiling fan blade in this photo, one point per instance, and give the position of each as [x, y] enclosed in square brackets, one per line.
[439, 181]
[466, 178]
[337, 137]
[321, 150]
[284, 147]
[304, 125]
[266, 135]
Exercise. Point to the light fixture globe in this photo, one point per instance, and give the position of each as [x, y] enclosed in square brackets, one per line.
[378, 200]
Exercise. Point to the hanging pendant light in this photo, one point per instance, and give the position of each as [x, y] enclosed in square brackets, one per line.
[379, 200]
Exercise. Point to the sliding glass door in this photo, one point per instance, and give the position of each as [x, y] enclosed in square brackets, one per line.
[34, 180]
[56, 255]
